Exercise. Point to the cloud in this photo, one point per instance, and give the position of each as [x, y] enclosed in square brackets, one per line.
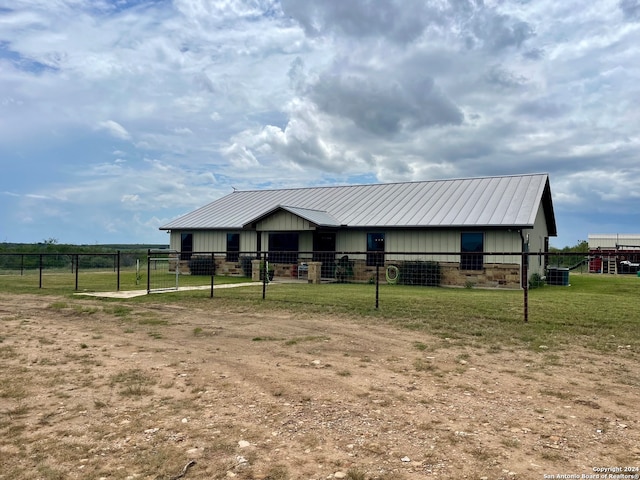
[360, 18]
[381, 107]
[630, 10]
[115, 129]
[198, 95]
[542, 108]
[471, 24]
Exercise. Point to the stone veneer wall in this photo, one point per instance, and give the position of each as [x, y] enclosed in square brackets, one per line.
[497, 275]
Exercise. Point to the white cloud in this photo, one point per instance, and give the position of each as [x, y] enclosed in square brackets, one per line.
[197, 95]
[115, 129]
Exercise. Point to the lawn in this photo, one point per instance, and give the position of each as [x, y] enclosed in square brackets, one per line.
[595, 311]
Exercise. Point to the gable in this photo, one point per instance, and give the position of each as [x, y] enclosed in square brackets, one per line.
[282, 221]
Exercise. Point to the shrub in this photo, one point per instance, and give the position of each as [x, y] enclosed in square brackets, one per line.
[536, 281]
[420, 273]
[245, 264]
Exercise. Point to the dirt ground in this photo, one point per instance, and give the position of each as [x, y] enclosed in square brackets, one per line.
[101, 390]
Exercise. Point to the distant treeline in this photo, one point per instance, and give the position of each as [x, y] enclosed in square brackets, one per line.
[54, 247]
[20, 256]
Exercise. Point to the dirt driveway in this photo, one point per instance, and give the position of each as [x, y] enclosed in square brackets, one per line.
[101, 390]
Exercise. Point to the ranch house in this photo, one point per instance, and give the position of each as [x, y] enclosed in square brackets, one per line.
[452, 222]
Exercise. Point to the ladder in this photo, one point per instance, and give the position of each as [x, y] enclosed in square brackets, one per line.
[612, 266]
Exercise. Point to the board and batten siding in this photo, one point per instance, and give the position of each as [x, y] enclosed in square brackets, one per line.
[537, 236]
[283, 222]
[433, 240]
[215, 241]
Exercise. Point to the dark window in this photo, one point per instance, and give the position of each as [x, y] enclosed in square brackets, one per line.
[283, 247]
[233, 247]
[471, 243]
[324, 251]
[375, 249]
[186, 246]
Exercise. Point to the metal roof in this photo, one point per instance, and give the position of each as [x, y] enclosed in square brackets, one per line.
[507, 201]
[317, 217]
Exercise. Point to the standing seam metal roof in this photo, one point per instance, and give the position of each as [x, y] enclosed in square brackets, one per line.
[473, 202]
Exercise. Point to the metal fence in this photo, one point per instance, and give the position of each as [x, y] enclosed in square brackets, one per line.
[68, 268]
[497, 270]
[173, 270]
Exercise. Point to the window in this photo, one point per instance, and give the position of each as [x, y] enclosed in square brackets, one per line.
[471, 243]
[375, 249]
[186, 246]
[233, 247]
[283, 247]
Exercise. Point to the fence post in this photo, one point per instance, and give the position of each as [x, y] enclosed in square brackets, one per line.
[77, 268]
[265, 275]
[148, 271]
[213, 272]
[40, 268]
[118, 271]
[377, 284]
[22, 264]
[525, 285]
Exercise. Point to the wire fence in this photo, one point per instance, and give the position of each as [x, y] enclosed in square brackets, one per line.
[71, 269]
[168, 269]
[384, 272]
[496, 270]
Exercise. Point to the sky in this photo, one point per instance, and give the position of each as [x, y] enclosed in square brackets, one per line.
[117, 116]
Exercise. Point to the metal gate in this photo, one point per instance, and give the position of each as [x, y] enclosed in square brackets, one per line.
[163, 270]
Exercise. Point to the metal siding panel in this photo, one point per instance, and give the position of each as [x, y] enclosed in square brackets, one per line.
[305, 242]
[248, 241]
[609, 240]
[283, 221]
[174, 240]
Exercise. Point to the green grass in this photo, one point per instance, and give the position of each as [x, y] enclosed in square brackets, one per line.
[597, 312]
[63, 281]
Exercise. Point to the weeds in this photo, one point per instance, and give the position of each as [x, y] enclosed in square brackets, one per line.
[308, 338]
[277, 472]
[133, 382]
[355, 474]
[422, 365]
[420, 346]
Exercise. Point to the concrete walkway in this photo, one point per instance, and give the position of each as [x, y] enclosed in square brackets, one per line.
[139, 293]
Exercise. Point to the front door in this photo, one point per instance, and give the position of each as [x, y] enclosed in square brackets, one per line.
[324, 250]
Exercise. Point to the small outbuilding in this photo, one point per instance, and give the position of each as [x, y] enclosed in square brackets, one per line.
[374, 223]
[614, 252]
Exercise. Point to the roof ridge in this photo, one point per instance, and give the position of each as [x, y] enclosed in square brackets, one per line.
[391, 183]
